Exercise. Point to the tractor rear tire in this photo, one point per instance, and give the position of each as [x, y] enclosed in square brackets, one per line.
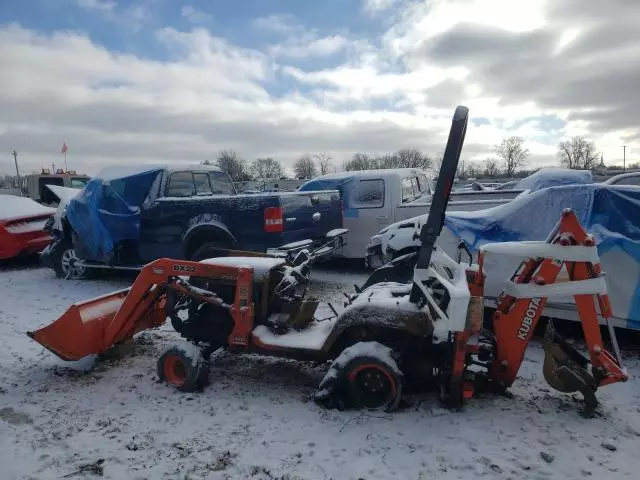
[183, 371]
[372, 384]
[364, 381]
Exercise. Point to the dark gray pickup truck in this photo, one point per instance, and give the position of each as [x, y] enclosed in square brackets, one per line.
[126, 218]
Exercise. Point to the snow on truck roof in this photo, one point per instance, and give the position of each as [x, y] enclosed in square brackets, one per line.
[383, 172]
[13, 207]
[121, 171]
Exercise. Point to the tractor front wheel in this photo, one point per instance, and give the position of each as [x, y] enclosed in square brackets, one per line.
[184, 367]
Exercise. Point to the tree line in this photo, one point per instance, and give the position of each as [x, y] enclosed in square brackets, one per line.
[240, 170]
[510, 160]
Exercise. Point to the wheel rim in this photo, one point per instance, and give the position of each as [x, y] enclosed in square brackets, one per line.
[70, 264]
[175, 371]
[374, 386]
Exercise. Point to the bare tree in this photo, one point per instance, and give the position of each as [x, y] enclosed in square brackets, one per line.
[413, 158]
[578, 153]
[264, 168]
[304, 167]
[405, 158]
[360, 161]
[229, 162]
[491, 167]
[324, 162]
[513, 154]
[436, 161]
[474, 170]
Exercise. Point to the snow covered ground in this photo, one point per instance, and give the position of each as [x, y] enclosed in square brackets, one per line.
[255, 420]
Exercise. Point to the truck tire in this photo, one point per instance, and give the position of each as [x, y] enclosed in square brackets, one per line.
[208, 250]
[64, 260]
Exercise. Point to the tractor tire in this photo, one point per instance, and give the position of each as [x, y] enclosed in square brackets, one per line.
[208, 250]
[184, 369]
[64, 259]
[363, 381]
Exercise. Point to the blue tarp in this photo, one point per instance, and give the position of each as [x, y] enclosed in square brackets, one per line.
[612, 214]
[107, 212]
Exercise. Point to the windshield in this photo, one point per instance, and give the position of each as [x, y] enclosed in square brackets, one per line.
[78, 182]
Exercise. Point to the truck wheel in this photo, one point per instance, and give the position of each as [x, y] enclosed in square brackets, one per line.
[361, 377]
[184, 367]
[66, 263]
[208, 250]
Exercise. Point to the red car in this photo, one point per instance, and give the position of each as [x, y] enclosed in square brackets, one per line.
[22, 226]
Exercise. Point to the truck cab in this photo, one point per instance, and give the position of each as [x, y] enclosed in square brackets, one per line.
[34, 186]
[374, 199]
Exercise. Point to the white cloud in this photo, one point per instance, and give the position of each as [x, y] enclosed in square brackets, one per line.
[114, 108]
[277, 23]
[101, 5]
[296, 40]
[130, 18]
[377, 6]
[527, 69]
[310, 47]
[194, 15]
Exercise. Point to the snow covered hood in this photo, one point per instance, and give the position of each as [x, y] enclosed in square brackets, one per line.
[261, 265]
[65, 195]
[12, 208]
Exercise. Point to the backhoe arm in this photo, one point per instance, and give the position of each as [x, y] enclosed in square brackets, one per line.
[524, 299]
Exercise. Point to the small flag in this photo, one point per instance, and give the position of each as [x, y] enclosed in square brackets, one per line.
[64, 148]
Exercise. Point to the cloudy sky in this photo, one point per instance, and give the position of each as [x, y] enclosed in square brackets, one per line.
[172, 81]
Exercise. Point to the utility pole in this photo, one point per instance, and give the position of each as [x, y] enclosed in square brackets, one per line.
[15, 159]
[624, 158]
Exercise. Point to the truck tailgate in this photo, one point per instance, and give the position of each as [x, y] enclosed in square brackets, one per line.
[311, 214]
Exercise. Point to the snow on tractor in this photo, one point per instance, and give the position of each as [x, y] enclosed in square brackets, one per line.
[423, 334]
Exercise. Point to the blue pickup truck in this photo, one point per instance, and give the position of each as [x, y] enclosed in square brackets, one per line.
[126, 217]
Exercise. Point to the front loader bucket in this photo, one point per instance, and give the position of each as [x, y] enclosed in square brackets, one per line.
[96, 325]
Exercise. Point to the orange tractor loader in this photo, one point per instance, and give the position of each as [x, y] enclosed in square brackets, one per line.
[423, 334]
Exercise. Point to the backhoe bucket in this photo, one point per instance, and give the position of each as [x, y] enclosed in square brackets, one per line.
[96, 325]
[565, 369]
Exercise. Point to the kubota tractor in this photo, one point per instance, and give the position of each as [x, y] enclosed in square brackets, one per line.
[427, 333]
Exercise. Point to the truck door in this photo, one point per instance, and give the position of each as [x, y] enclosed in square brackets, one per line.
[367, 211]
[155, 226]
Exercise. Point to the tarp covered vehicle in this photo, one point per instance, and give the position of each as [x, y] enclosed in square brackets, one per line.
[125, 218]
[610, 213]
